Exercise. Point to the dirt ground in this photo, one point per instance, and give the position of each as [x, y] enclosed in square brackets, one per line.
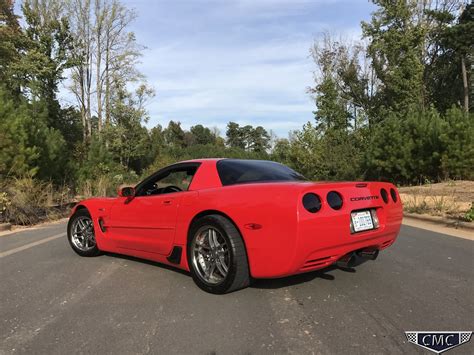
[451, 198]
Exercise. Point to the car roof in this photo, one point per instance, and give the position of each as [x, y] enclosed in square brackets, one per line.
[218, 159]
[201, 160]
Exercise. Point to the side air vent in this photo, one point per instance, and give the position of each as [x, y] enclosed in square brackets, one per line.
[175, 256]
[101, 225]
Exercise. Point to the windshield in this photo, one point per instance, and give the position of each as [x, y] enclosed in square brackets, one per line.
[235, 171]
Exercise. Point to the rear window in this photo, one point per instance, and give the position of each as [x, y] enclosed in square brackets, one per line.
[235, 171]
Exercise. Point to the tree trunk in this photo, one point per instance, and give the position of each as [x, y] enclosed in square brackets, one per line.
[107, 80]
[355, 118]
[83, 107]
[88, 98]
[99, 18]
[99, 86]
[465, 85]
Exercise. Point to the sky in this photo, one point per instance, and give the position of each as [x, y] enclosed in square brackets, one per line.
[215, 61]
[247, 61]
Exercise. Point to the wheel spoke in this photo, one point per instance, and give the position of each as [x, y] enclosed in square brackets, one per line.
[210, 255]
[210, 270]
[221, 267]
[81, 225]
[214, 239]
[223, 263]
[83, 233]
[210, 239]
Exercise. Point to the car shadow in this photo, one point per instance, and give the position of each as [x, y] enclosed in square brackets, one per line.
[294, 279]
[148, 262]
[323, 274]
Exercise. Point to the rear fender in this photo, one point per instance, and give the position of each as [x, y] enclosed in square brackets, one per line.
[266, 219]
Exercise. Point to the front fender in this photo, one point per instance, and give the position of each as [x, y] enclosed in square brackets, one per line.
[98, 208]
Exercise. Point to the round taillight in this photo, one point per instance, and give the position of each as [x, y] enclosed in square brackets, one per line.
[393, 193]
[311, 202]
[334, 200]
[384, 195]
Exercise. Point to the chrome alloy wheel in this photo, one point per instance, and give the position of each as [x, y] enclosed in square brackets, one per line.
[82, 232]
[210, 255]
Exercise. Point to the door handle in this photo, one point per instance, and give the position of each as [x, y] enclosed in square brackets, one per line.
[167, 202]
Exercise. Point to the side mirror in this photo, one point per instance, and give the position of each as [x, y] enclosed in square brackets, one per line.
[126, 191]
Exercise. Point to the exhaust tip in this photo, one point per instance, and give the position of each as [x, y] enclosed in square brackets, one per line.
[358, 257]
[369, 254]
[347, 261]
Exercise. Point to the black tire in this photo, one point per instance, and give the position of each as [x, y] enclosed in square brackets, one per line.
[238, 271]
[82, 213]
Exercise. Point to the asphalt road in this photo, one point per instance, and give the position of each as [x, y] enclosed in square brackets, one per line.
[55, 302]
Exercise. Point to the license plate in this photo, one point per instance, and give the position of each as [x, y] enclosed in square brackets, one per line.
[362, 221]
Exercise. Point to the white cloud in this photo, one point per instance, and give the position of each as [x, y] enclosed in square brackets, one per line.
[213, 61]
[232, 82]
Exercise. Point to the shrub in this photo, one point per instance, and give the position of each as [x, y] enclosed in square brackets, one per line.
[27, 200]
[469, 216]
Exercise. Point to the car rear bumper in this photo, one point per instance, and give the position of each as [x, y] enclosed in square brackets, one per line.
[316, 239]
[326, 257]
[317, 248]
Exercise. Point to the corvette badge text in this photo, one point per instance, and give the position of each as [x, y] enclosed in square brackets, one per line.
[437, 341]
[361, 198]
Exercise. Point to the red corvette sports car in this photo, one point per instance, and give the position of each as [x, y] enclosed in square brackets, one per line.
[227, 221]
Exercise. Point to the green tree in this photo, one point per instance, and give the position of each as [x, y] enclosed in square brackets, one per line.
[281, 150]
[248, 138]
[422, 131]
[174, 134]
[49, 52]
[333, 140]
[423, 146]
[457, 42]
[17, 156]
[28, 146]
[305, 153]
[127, 139]
[12, 47]
[389, 155]
[331, 113]
[449, 57]
[259, 140]
[202, 135]
[157, 141]
[396, 43]
[234, 136]
[457, 159]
